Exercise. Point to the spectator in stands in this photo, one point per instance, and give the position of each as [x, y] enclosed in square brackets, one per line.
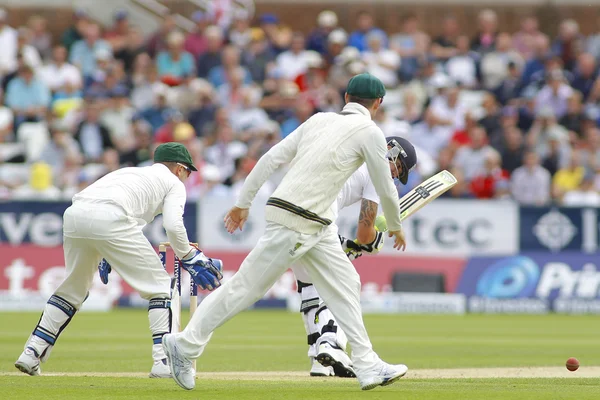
[537, 62]
[158, 41]
[524, 41]
[40, 185]
[212, 56]
[118, 36]
[269, 23]
[493, 182]
[430, 135]
[27, 96]
[93, 137]
[585, 195]
[225, 150]
[58, 72]
[568, 177]
[336, 42]
[195, 41]
[204, 108]
[513, 149]
[568, 43]
[30, 53]
[134, 46]
[140, 153]
[462, 66]
[544, 129]
[116, 117]
[40, 39]
[381, 62]
[167, 131]
[83, 53]
[590, 148]
[365, 24]
[494, 64]
[230, 60]
[445, 46]
[302, 111]
[258, 56]
[530, 183]
[8, 44]
[229, 94]
[61, 151]
[240, 32]
[554, 94]
[327, 22]
[411, 44]
[471, 158]
[447, 108]
[158, 114]
[249, 116]
[293, 62]
[510, 88]
[76, 31]
[175, 65]
[585, 74]
[573, 119]
[485, 40]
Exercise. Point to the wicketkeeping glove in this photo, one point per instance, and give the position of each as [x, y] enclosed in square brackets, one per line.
[351, 248]
[206, 272]
[103, 270]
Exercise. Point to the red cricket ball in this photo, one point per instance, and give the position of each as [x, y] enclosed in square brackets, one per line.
[572, 364]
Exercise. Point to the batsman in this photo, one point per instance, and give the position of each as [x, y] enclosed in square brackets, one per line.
[106, 221]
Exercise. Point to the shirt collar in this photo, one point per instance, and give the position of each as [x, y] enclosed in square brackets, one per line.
[355, 108]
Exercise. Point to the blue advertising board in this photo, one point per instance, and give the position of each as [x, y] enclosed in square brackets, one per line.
[532, 283]
[558, 229]
[40, 223]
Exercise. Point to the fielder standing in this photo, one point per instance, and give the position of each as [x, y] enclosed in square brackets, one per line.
[323, 153]
[327, 341]
[106, 220]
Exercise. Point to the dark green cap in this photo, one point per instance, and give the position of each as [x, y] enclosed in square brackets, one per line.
[365, 86]
[174, 152]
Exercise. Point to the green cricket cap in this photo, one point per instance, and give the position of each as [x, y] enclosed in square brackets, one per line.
[174, 152]
[365, 86]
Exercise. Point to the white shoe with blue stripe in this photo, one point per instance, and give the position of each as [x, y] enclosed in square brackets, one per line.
[29, 362]
[182, 369]
[384, 374]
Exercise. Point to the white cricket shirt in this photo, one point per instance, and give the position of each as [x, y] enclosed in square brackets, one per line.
[143, 193]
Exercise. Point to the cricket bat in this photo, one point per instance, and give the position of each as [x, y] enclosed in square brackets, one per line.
[427, 191]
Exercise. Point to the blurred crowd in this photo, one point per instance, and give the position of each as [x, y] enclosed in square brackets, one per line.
[511, 114]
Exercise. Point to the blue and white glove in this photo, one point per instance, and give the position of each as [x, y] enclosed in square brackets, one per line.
[103, 270]
[206, 272]
[351, 248]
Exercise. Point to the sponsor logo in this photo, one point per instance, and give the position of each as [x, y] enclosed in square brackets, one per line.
[514, 277]
[296, 247]
[554, 230]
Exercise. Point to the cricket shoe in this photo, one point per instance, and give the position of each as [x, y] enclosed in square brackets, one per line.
[182, 369]
[29, 362]
[331, 355]
[382, 375]
[160, 369]
[319, 370]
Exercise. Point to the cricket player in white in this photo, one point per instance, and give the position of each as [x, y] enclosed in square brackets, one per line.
[323, 153]
[327, 341]
[106, 220]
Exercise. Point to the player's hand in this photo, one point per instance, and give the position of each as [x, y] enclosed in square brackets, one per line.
[399, 240]
[236, 218]
[104, 269]
[206, 272]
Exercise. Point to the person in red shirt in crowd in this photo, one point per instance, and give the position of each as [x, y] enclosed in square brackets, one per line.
[461, 136]
[314, 75]
[494, 181]
[167, 132]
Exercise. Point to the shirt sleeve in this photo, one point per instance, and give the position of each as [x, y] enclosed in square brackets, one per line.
[282, 153]
[374, 151]
[369, 192]
[173, 207]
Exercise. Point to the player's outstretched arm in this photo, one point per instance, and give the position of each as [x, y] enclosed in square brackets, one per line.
[173, 220]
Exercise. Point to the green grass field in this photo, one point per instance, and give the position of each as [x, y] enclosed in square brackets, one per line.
[113, 350]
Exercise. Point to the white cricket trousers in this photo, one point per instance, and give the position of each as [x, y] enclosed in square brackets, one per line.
[330, 271]
[95, 231]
